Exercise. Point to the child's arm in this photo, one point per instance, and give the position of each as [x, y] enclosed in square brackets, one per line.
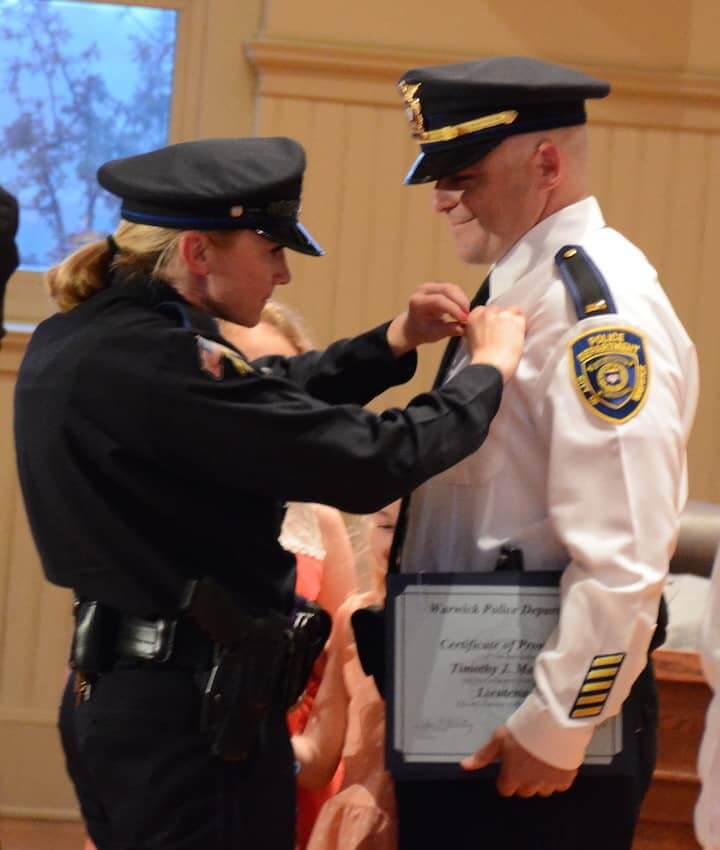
[319, 747]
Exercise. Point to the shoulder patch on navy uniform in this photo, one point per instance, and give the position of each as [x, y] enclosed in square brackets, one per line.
[212, 356]
[596, 686]
[610, 370]
[584, 281]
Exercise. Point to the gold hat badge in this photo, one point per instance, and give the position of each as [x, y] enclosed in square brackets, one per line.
[413, 108]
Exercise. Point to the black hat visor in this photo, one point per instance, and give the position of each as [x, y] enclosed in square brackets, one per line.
[289, 233]
[432, 166]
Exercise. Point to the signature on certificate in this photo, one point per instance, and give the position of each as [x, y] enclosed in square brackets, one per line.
[443, 724]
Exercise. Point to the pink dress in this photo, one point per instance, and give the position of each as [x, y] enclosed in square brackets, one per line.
[362, 815]
[301, 535]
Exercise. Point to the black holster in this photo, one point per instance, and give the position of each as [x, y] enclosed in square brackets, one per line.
[242, 688]
[269, 666]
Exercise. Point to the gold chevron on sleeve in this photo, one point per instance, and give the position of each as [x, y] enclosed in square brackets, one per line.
[602, 672]
[586, 712]
[591, 700]
[599, 679]
[604, 660]
[590, 687]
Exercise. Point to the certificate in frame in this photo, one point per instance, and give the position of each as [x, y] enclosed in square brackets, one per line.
[460, 654]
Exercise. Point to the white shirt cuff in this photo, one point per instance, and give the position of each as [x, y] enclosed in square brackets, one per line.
[562, 745]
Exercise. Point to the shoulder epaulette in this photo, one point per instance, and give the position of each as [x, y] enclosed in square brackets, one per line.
[584, 281]
[189, 317]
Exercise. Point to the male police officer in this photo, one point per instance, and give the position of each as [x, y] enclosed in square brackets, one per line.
[584, 469]
[8, 250]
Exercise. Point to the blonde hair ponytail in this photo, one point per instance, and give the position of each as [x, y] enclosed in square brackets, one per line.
[78, 276]
[142, 250]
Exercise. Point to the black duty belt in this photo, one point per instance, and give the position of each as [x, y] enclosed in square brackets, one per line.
[175, 643]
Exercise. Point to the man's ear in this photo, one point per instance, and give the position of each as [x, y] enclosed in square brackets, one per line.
[549, 164]
[193, 250]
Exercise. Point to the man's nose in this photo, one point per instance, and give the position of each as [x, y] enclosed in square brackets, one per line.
[445, 199]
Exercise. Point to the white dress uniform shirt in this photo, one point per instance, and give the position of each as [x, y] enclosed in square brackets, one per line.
[597, 499]
[707, 812]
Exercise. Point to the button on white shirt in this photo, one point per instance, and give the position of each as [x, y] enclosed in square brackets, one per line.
[596, 499]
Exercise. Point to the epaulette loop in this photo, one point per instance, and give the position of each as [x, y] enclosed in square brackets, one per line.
[585, 282]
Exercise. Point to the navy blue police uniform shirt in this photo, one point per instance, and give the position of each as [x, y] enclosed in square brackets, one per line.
[150, 452]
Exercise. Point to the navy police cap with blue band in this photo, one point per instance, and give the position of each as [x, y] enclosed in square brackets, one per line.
[216, 184]
[460, 112]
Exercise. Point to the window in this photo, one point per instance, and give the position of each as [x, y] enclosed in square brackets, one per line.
[80, 83]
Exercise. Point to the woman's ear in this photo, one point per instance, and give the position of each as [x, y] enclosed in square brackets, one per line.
[193, 248]
[549, 164]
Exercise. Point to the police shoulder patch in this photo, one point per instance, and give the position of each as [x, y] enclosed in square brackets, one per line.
[610, 369]
[212, 356]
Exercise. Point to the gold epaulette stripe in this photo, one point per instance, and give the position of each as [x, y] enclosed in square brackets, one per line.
[590, 687]
[452, 131]
[585, 712]
[604, 660]
[602, 673]
[595, 699]
[596, 306]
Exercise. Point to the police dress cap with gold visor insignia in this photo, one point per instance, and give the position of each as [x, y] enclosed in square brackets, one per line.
[460, 112]
[216, 184]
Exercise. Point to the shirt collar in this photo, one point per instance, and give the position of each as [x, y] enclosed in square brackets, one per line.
[569, 225]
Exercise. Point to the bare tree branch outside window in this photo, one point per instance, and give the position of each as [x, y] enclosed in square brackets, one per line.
[80, 83]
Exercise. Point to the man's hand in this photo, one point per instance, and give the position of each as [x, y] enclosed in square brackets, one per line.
[435, 311]
[520, 772]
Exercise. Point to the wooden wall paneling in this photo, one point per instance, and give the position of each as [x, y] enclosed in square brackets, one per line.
[600, 161]
[33, 782]
[313, 288]
[49, 662]
[686, 229]
[355, 212]
[388, 285]
[654, 192]
[313, 278]
[23, 606]
[34, 625]
[620, 201]
[10, 353]
[705, 446]
[7, 488]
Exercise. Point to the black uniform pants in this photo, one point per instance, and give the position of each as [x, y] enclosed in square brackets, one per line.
[146, 779]
[598, 812]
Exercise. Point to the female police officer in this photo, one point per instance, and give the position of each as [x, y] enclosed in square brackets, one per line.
[150, 452]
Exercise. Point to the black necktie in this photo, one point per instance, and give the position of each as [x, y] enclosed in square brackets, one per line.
[481, 298]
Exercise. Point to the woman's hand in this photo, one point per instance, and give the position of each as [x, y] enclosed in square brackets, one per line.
[495, 336]
[435, 311]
